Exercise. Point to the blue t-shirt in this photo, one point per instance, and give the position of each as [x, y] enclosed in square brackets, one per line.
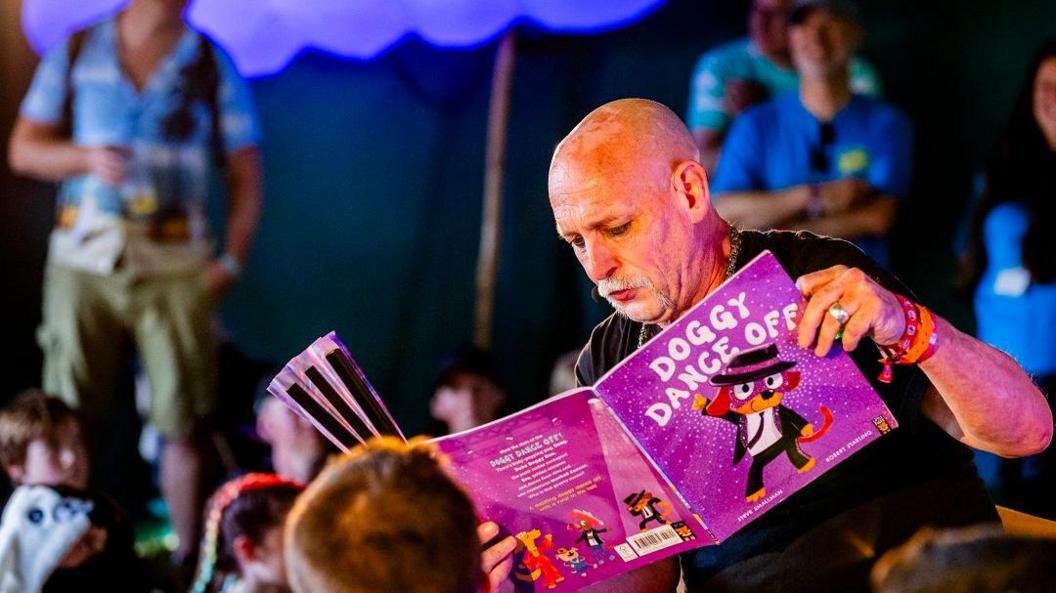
[100, 222]
[740, 60]
[1013, 312]
[769, 148]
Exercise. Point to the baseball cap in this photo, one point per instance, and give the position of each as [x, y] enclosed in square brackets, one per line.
[841, 9]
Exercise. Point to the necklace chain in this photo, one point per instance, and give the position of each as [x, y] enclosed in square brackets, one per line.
[731, 266]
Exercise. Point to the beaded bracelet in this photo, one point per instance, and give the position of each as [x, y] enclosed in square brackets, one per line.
[917, 343]
[924, 342]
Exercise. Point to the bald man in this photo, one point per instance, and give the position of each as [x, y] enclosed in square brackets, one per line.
[631, 199]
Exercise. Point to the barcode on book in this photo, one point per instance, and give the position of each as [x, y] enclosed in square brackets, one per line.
[655, 539]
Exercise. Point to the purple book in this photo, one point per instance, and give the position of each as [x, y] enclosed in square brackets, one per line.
[712, 423]
[733, 412]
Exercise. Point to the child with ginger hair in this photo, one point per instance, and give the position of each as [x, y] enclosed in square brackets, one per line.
[384, 517]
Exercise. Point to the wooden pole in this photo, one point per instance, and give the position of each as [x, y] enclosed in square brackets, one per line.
[494, 171]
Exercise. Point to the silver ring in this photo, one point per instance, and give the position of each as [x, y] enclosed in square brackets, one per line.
[839, 313]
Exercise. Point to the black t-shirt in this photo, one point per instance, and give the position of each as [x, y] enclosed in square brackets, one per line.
[825, 537]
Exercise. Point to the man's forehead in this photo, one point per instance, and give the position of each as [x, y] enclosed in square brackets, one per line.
[589, 209]
[588, 167]
[568, 184]
[582, 203]
[577, 186]
[595, 195]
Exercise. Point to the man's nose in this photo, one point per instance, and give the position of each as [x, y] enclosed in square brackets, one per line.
[600, 263]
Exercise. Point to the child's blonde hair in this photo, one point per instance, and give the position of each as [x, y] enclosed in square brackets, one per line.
[30, 416]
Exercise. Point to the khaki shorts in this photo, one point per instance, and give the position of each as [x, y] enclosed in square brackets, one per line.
[86, 319]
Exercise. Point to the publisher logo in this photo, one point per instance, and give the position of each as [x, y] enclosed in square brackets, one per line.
[881, 424]
[626, 552]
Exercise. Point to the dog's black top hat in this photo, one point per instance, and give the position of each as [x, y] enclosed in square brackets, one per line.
[751, 365]
[634, 498]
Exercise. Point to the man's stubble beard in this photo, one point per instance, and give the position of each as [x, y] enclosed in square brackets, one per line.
[666, 304]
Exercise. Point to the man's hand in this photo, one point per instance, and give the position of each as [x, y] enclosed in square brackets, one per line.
[842, 194]
[218, 279]
[496, 560]
[109, 163]
[740, 94]
[874, 311]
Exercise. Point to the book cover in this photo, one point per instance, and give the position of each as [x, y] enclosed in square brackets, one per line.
[734, 413]
[582, 500]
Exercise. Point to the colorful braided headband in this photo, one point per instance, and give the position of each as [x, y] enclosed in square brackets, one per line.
[217, 505]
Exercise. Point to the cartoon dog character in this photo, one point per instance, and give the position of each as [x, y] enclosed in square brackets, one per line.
[650, 508]
[590, 528]
[572, 559]
[537, 564]
[750, 394]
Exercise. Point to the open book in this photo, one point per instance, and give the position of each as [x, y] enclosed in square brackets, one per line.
[705, 428]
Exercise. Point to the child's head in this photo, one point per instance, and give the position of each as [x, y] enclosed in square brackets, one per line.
[468, 391]
[979, 559]
[41, 442]
[384, 517]
[298, 450]
[243, 532]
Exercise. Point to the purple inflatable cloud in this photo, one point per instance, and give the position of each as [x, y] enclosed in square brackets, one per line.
[264, 35]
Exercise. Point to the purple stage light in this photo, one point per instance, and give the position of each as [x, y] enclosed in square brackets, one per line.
[264, 35]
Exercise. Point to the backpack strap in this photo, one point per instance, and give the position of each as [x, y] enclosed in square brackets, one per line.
[73, 51]
[199, 80]
[211, 69]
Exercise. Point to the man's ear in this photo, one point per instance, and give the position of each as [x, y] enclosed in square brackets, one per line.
[691, 183]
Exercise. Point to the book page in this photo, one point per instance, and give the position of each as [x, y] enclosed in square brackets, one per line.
[565, 479]
[732, 411]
